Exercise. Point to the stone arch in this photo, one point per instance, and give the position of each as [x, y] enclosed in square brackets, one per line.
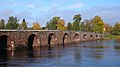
[32, 41]
[77, 37]
[65, 37]
[91, 37]
[50, 37]
[101, 36]
[97, 36]
[6, 42]
[85, 36]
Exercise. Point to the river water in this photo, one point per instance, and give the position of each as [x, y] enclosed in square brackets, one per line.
[100, 53]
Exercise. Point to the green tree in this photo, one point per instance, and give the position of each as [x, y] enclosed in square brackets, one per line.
[116, 29]
[56, 23]
[69, 26]
[52, 25]
[2, 24]
[23, 25]
[12, 23]
[76, 26]
[76, 23]
[77, 18]
[82, 26]
[87, 27]
[97, 24]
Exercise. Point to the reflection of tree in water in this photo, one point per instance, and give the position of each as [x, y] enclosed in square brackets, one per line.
[77, 56]
[117, 44]
[98, 53]
[117, 41]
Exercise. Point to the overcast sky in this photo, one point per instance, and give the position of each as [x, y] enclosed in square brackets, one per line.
[42, 11]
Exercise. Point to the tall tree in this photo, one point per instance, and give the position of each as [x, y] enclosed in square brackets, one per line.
[87, 27]
[60, 24]
[77, 18]
[76, 26]
[12, 23]
[52, 25]
[2, 24]
[98, 24]
[69, 26]
[76, 23]
[116, 29]
[23, 25]
[82, 26]
[108, 28]
[36, 26]
[56, 23]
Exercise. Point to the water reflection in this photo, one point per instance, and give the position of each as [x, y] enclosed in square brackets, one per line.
[3, 58]
[86, 54]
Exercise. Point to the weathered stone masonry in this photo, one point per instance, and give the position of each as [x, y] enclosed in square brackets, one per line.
[11, 39]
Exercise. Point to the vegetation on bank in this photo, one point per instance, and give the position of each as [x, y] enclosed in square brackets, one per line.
[95, 24]
[110, 36]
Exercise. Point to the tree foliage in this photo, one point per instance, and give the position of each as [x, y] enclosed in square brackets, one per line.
[60, 24]
[23, 25]
[77, 18]
[52, 25]
[108, 28]
[97, 24]
[2, 24]
[116, 29]
[69, 26]
[56, 23]
[76, 23]
[36, 26]
[12, 23]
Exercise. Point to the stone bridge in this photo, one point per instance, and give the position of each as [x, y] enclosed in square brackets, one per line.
[13, 39]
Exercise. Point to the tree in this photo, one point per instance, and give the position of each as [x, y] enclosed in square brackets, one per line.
[12, 23]
[69, 26]
[87, 26]
[2, 24]
[77, 18]
[82, 26]
[76, 26]
[97, 24]
[52, 25]
[23, 25]
[36, 26]
[60, 24]
[116, 29]
[108, 28]
[76, 23]
[56, 23]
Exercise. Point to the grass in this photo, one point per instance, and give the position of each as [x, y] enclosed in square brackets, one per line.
[110, 36]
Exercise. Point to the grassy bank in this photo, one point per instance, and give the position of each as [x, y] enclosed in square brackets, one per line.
[110, 36]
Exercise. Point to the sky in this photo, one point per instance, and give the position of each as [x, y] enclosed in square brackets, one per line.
[42, 11]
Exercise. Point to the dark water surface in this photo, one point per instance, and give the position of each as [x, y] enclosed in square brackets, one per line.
[101, 53]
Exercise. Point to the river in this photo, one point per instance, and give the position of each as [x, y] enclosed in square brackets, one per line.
[100, 53]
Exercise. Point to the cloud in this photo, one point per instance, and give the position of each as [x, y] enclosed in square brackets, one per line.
[43, 11]
[108, 14]
[23, 14]
[76, 5]
[6, 13]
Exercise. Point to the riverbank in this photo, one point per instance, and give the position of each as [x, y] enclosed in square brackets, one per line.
[110, 36]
